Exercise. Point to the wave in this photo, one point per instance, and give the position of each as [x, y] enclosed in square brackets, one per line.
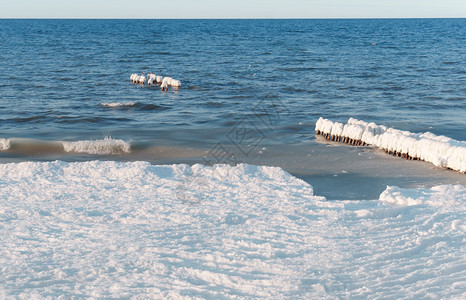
[89, 120]
[63, 119]
[25, 146]
[32, 119]
[136, 105]
[298, 69]
[98, 147]
[118, 104]
[4, 144]
[150, 107]
[440, 150]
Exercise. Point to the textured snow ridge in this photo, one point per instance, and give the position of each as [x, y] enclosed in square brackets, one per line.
[134, 230]
[439, 196]
[442, 151]
[4, 144]
[98, 147]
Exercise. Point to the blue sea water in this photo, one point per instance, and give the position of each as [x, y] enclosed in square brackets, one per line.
[274, 77]
[54, 74]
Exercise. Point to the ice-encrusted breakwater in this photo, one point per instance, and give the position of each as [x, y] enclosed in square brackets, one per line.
[440, 150]
[152, 79]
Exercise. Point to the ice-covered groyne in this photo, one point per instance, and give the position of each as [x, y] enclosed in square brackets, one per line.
[152, 79]
[439, 150]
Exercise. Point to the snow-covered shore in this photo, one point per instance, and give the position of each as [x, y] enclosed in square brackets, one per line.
[109, 229]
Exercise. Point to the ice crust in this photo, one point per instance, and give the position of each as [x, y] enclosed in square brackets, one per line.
[441, 151]
[104, 229]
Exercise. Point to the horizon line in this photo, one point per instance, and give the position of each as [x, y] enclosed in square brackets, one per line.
[232, 18]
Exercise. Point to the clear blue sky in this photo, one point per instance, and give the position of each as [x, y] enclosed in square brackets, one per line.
[156, 9]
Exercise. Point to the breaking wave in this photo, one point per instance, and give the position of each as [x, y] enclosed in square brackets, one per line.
[4, 144]
[118, 104]
[98, 147]
[133, 105]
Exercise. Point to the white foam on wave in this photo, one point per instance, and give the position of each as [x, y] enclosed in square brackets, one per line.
[98, 147]
[144, 231]
[4, 144]
[441, 151]
[118, 104]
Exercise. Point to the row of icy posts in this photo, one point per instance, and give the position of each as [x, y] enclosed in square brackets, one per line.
[442, 151]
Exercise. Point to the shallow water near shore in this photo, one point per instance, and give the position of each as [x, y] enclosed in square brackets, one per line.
[335, 170]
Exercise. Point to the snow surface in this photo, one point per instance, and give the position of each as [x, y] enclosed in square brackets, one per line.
[120, 230]
[99, 147]
[451, 196]
[441, 151]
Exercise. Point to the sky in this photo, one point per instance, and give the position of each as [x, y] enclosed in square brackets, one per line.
[218, 9]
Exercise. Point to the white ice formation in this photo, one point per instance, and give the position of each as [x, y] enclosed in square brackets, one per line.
[441, 196]
[107, 146]
[168, 80]
[175, 83]
[153, 79]
[135, 78]
[132, 78]
[440, 150]
[164, 86]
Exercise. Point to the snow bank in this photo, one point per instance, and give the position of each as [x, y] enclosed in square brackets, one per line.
[133, 230]
[99, 147]
[4, 144]
[442, 151]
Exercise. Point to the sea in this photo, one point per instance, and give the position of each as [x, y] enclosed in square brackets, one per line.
[251, 92]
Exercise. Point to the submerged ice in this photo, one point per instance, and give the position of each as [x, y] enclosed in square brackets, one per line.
[108, 229]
